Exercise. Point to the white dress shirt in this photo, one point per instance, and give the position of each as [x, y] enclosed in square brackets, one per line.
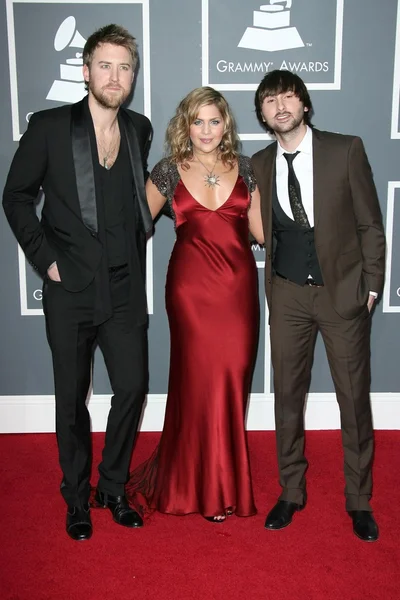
[303, 168]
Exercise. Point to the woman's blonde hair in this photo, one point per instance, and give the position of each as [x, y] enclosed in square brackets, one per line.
[177, 139]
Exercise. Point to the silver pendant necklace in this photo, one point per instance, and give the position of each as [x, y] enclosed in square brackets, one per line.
[211, 179]
[108, 155]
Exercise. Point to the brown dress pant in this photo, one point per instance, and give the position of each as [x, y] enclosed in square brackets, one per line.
[297, 313]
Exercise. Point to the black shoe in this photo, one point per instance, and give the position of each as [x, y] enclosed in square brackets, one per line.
[281, 515]
[364, 525]
[122, 513]
[79, 525]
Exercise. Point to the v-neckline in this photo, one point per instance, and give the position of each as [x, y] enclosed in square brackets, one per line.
[104, 169]
[203, 205]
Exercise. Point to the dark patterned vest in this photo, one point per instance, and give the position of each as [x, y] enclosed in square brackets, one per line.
[295, 256]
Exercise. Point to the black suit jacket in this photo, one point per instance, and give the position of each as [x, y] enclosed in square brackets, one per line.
[55, 153]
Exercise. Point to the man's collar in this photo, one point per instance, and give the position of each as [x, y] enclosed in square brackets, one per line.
[305, 145]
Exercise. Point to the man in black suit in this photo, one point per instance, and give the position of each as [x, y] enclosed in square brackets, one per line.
[89, 246]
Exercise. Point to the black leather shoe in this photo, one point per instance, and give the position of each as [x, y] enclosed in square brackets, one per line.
[122, 513]
[281, 515]
[364, 525]
[79, 525]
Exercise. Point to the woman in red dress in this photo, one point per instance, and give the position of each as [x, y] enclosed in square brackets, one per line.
[202, 464]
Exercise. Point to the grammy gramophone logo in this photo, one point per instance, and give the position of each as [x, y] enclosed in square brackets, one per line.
[271, 30]
[70, 87]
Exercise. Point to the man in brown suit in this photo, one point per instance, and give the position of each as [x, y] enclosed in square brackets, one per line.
[324, 269]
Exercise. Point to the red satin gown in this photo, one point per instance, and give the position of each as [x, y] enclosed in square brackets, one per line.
[202, 463]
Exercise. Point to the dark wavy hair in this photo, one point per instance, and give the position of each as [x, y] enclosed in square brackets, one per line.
[279, 82]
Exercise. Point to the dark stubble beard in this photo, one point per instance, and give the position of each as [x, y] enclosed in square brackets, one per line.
[289, 127]
[108, 101]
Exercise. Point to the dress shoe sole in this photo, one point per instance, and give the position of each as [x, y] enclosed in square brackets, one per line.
[274, 528]
[365, 539]
[128, 526]
[79, 539]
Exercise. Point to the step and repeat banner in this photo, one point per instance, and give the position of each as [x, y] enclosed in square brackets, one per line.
[347, 52]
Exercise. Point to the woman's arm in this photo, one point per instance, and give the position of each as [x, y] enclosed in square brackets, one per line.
[254, 215]
[155, 199]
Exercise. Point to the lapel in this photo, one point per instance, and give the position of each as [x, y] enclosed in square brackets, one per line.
[319, 180]
[83, 163]
[136, 161]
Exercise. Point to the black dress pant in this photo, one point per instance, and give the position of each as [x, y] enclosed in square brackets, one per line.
[72, 338]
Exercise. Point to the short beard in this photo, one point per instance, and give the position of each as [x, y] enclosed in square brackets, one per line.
[106, 101]
[290, 127]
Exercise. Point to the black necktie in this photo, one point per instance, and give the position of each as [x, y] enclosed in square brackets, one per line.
[299, 214]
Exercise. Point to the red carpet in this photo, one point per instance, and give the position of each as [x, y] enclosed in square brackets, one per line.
[187, 558]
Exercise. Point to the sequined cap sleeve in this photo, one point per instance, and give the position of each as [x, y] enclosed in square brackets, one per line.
[246, 171]
[160, 177]
[165, 177]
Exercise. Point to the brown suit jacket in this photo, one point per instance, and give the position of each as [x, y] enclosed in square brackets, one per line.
[349, 237]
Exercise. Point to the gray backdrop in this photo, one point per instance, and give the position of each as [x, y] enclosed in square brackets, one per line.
[348, 53]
